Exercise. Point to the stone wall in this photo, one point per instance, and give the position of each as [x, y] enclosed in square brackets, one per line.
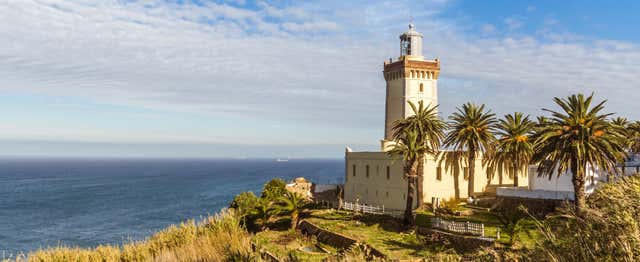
[460, 242]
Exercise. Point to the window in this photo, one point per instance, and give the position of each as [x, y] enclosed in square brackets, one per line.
[354, 170]
[421, 88]
[439, 173]
[388, 172]
[367, 171]
[405, 46]
[376, 192]
[387, 193]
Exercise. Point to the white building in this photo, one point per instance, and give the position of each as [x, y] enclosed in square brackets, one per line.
[554, 187]
[375, 178]
[561, 187]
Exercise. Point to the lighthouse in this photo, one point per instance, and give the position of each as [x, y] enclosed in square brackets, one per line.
[410, 78]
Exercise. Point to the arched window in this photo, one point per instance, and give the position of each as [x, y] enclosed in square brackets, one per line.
[367, 171]
[388, 172]
[421, 87]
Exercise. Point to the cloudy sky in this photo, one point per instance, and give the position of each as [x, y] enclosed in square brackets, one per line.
[285, 78]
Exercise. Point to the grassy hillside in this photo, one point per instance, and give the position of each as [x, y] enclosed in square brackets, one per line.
[216, 238]
[609, 230]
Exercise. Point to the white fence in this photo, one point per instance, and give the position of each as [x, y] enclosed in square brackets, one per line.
[378, 210]
[458, 227]
[363, 208]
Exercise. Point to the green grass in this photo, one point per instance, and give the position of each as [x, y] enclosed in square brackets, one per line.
[381, 232]
[283, 243]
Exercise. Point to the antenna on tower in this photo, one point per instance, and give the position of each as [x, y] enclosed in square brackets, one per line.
[411, 22]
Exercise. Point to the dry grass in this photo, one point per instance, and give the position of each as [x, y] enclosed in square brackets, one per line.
[609, 229]
[216, 238]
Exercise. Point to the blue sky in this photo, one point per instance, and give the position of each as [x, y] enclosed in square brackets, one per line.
[285, 78]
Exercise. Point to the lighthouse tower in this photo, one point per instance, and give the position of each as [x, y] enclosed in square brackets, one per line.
[409, 78]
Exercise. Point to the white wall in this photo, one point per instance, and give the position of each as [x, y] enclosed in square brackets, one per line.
[562, 183]
[536, 194]
[378, 190]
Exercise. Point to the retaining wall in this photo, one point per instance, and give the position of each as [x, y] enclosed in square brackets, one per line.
[536, 207]
[458, 241]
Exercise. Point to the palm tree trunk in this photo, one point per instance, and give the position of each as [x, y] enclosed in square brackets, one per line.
[471, 164]
[456, 181]
[515, 175]
[578, 189]
[420, 181]
[294, 220]
[408, 211]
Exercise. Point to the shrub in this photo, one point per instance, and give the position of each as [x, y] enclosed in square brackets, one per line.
[274, 189]
[423, 218]
[451, 206]
[243, 203]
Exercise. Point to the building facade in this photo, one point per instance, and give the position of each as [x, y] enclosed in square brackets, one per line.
[376, 178]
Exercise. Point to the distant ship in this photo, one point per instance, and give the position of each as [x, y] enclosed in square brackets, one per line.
[282, 160]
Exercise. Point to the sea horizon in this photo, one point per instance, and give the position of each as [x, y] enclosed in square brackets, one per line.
[89, 201]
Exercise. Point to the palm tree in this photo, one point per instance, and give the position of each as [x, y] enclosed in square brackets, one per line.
[577, 138]
[409, 149]
[513, 149]
[634, 134]
[471, 130]
[430, 131]
[293, 204]
[622, 124]
[263, 212]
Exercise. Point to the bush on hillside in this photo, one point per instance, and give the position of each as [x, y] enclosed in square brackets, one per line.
[243, 203]
[274, 189]
[609, 229]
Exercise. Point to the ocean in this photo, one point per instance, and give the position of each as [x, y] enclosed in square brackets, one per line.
[87, 202]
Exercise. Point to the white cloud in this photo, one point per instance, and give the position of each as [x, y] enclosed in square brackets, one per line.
[311, 27]
[488, 29]
[513, 23]
[285, 65]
